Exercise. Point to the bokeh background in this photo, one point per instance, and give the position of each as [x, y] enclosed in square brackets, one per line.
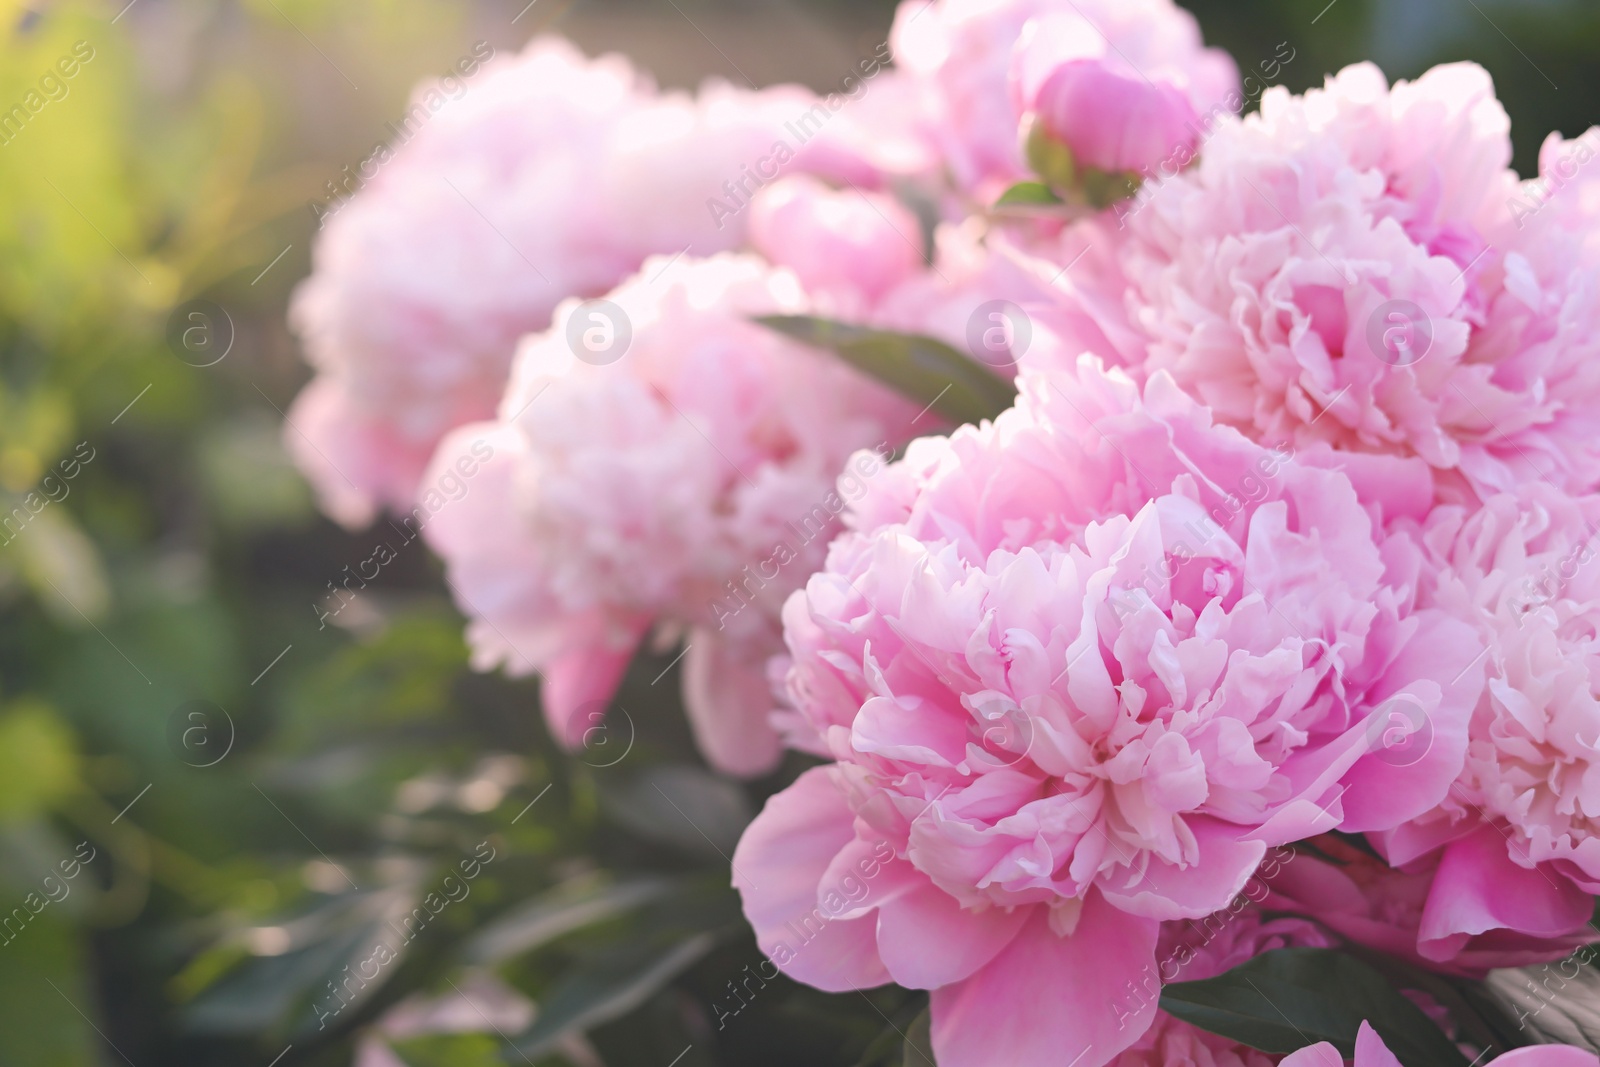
[259, 792]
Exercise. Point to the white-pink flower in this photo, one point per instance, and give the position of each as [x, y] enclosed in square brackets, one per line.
[1077, 670]
[1517, 839]
[549, 176]
[684, 483]
[1346, 269]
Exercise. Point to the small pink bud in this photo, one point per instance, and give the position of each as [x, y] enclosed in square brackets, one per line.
[1114, 119]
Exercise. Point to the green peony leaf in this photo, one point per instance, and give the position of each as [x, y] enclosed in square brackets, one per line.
[923, 369]
[1289, 998]
[1029, 194]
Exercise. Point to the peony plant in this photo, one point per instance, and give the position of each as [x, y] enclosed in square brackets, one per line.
[1144, 550]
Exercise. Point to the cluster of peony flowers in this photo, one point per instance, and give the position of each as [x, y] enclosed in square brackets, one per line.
[1271, 597]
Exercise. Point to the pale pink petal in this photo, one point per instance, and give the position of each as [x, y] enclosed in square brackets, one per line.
[1047, 1000]
[1322, 1054]
[726, 694]
[1479, 888]
[927, 940]
[778, 867]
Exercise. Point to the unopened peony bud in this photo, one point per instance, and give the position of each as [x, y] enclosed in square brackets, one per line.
[1113, 120]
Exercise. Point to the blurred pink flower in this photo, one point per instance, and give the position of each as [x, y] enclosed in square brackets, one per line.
[1078, 669]
[685, 482]
[844, 243]
[549, 176]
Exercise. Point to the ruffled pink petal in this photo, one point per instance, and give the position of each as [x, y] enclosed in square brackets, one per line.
[1048, 1000]
[1389, 786]
[1548, 1056]
[1162, 891]
[928, 940]
[778, 867]
[1371, 1051]
[1322, 1054]
[1479, 888]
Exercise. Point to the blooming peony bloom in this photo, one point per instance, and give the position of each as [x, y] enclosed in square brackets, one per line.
[1516, 840]
[962, 53]
[1372, 1052]
[548, 176]
[1345, 269]
[1077, 670]
[1387, 909]
[685, 482]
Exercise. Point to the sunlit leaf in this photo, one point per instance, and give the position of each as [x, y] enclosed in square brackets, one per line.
[38, 760]
[1029, 194]
[925, 370]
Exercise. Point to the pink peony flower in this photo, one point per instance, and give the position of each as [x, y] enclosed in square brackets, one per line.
[685, 481]
[1345, 269]
[962, 54]
[1372, 1052]
[548, 176]
[1383, 908]
[1078, 669]
[1516, 837]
